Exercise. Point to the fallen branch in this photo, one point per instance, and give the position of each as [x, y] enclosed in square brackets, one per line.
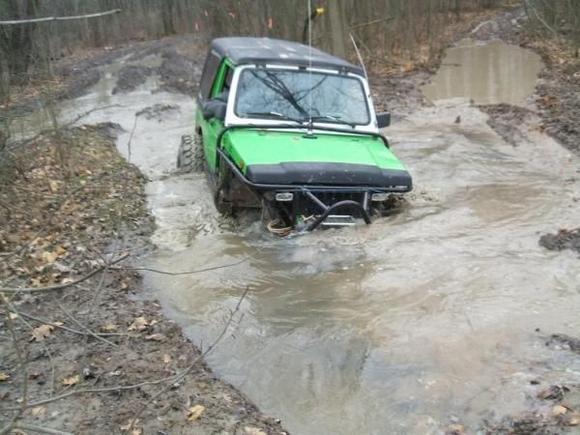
[80, 325]
[191, 366]
[192, 272]
[40, 429]
[171, 379]
[68, 18]
[66, 328]
[62, 286]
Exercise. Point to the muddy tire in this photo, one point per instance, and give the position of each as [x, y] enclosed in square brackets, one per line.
[190, 156]
[221, 197]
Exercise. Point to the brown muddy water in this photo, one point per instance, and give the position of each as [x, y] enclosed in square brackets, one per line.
[420, 320]
[487, 73]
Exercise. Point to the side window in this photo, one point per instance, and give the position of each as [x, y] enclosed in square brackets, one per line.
[209, 72]
[223, 81]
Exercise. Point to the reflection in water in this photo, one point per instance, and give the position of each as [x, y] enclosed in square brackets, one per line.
[489, 74]
[397, 327]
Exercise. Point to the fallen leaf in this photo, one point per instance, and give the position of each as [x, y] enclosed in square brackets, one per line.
[194, 413]
[573, 420]
[131, 425]
[4, 376]
[49, 257]
[53, 184]
[559, 410]
[139, 324]
[73, 380]
[155, 337]
[42, 332]
[254, 431]
[166, 359]
[38, 411]
[109, 327]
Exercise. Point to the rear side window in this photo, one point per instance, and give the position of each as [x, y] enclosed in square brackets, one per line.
[209, 71]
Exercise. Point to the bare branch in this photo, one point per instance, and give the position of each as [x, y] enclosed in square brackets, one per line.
[71, 17]
[62, 286]
[171, 379]
[192, 272]
[191, 366]
[40, 429]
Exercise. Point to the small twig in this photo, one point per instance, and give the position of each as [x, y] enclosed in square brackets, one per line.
[62, 286]
[192, 272]
[191, 366]
[131, 138]
[378, 20]
[170, 379]
[40, 429]
[88, 330]
[66, 328]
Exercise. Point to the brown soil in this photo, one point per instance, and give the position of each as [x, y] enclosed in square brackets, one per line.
[97, 355]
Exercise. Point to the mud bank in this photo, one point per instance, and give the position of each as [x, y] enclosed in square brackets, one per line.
[98, 356]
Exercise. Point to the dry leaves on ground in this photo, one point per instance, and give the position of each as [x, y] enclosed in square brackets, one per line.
[42, 332]
[73, 380]
[195, 412]
[249, 430]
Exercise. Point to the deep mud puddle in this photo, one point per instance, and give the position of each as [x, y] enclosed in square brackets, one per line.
[485, 73]
[422, 319]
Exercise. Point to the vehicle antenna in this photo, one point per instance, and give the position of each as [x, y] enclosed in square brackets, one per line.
[360, 59]
[310, 127]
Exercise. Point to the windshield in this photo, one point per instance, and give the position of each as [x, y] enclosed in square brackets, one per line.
[300, 95]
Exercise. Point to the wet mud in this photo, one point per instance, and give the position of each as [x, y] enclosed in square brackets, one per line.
[130, 77]
[436, 305]
[563, 239]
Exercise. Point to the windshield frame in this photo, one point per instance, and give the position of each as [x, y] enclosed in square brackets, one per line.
[232, 118]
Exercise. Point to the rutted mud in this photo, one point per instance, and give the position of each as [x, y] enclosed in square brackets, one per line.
[405, 326]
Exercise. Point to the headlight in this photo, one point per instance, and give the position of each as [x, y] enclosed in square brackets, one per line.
[379, 197]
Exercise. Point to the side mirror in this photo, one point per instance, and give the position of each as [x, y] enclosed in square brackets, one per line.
[214, 109]
[383, 119]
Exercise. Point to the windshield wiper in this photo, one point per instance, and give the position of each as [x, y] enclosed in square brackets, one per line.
[331, 119]
[276, 115]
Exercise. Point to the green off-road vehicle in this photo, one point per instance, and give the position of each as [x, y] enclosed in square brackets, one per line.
[292, 130]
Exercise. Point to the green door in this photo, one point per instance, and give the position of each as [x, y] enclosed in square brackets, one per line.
[212, 127]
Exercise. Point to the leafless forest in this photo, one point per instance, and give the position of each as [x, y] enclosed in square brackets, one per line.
[383, 28]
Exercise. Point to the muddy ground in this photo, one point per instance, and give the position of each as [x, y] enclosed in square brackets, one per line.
[64, 216]
[95, 356]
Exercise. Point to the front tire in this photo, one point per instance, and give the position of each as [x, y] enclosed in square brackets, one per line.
[221, 197]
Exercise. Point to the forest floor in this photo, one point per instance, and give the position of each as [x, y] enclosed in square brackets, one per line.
[95, 355]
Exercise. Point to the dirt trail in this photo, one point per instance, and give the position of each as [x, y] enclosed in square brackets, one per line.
[438, 304]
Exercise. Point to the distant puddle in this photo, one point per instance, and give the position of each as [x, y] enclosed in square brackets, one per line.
[489, 73]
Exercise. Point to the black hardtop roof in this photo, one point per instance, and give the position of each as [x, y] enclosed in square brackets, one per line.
[249, 50]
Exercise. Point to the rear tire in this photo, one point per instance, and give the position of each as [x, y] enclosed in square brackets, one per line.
[190, 156]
